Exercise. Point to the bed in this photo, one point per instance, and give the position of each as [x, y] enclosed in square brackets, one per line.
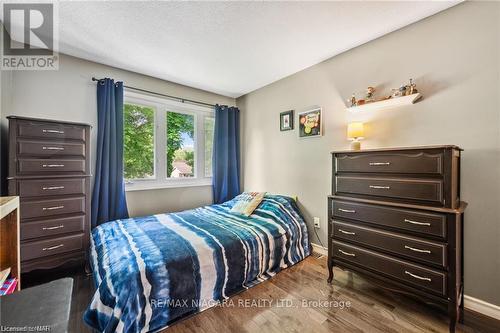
[152, 271]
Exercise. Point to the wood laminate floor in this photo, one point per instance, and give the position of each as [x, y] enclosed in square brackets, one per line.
[278, 305]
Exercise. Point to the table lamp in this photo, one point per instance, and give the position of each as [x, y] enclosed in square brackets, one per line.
[355, 133]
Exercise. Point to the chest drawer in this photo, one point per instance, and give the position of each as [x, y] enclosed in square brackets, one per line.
[406, 272]
[51, 207]
[401, 219]
[36, 129]
[32, 166]
[52, 227]
[43, 248]
[47, 187]
[50, 149]
[410, 247]
[410, 162]
[400, 188]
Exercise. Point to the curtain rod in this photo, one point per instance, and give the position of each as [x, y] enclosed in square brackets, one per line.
[179, 99]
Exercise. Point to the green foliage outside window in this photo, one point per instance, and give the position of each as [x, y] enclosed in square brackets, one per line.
[138, 139]
[177, 124]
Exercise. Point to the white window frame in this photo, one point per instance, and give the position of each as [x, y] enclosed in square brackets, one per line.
[161, 106]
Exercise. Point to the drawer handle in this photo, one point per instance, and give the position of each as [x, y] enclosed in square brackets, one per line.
[417, 223]
[53, 208]
[52, 148]
[418, 277]
[347, 253]
[417, 250]
[379, 163]
[53, 165]
[53, 228]
[52, 131]
[52, 247]
[347, 232]
[346, 210]
[49, 188]
[379, 187]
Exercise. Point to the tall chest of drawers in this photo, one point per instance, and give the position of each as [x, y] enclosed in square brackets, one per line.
[49, 169]
[395, 216]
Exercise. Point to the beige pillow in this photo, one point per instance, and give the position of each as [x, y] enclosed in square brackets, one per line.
[247, 202]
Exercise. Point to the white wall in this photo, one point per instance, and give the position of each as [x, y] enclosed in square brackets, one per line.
[69, 94]
[454, 57]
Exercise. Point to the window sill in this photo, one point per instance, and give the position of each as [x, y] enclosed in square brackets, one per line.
[146, 185]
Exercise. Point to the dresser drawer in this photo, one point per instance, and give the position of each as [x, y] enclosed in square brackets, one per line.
[402, 219]
[52, 227]
[47, 187]
[406, 272]
[36, 129]
[409, 162]
[400, 188]
[38, 166]
[51, 207]
[410, 247]
[49, 149]
[43, 248]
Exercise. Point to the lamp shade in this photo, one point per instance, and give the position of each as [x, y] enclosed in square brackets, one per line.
[355, 130]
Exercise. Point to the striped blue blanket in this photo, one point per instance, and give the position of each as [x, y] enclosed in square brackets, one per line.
[154, 270]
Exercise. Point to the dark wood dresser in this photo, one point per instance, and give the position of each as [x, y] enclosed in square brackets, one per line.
[395, 215]
[49, 169]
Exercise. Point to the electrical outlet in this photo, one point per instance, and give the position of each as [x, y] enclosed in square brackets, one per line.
[316, 222]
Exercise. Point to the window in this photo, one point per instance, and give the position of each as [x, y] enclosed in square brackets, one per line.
[138, 152]
[166, 143]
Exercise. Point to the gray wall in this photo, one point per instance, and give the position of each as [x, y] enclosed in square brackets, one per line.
[69, 94]
[454, 57]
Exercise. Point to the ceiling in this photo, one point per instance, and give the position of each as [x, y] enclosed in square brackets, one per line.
[230, 48]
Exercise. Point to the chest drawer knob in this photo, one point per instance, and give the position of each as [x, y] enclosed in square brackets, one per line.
[53, 165]
[347, 253]
[379, 163]
[53, 208]
[52, 148]
[53, 228]
[347, 232]
[52, 131]
[379, 187]
[50, 188]
[346, 210]
[52, 247]
[417, 223]
[417, 250]
[418, 277]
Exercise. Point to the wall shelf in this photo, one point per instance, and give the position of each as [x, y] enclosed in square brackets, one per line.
[386, 104]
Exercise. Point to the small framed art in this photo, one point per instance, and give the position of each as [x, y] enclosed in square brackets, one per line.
[310, 123]
[286, 120]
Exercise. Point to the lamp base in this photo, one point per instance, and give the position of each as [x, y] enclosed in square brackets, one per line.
[355, 145]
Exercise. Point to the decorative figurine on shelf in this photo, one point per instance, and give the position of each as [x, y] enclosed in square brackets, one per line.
[352, 101]
[402, 90]
[395, 93]
[412, 88]
[369, 94]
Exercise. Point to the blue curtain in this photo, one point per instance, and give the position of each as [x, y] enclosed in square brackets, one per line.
[226, 154]
[108, 198]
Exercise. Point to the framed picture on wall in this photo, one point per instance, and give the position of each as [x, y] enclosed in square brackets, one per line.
[286, 120]
[310, 123]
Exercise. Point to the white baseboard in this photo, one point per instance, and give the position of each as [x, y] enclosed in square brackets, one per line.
[319, 249]
[485, 308]
[471, 303]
